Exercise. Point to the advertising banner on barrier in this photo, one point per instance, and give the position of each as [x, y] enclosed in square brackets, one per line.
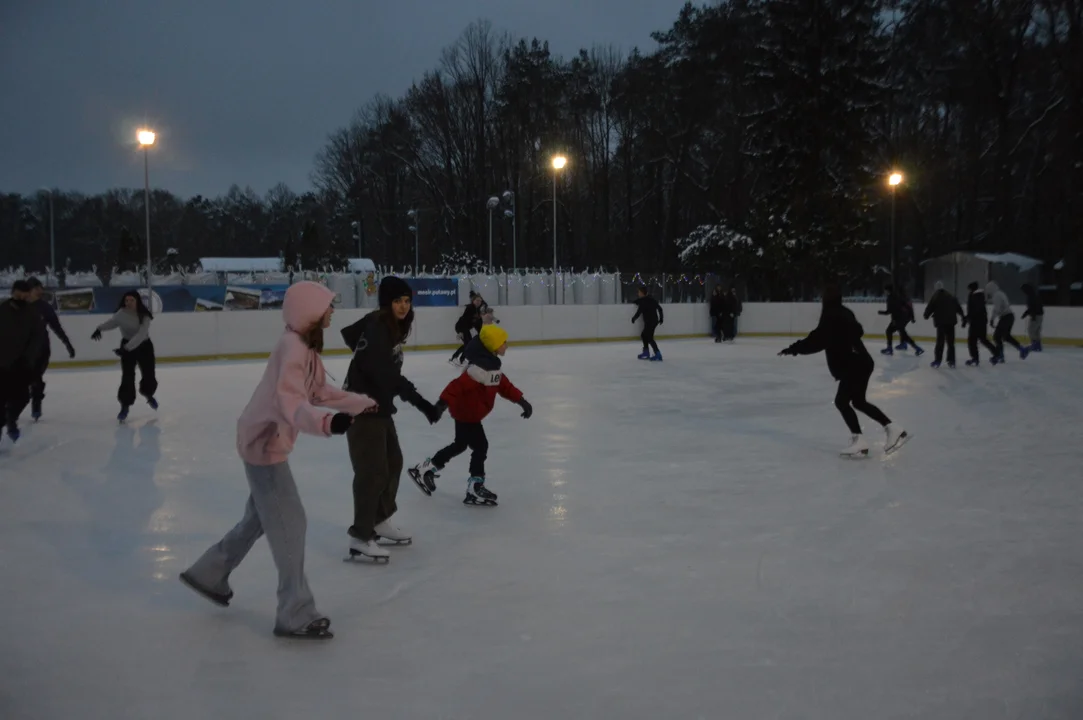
[434, 292]
[172, 298]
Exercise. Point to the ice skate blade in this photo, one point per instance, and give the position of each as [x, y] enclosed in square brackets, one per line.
[360, 557]
[855, 456]
[479, 503]
[388, 542]
[416, 477]
[903, 439]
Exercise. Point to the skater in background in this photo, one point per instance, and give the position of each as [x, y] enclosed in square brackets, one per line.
[717, 308]
[902, 314]
[943, 307]
[470, 398]
[839, 336]
[736, 307]
[49, 322]
[976, 318]
[133, 318]
[283, 405]
[1036, 312]
[467, 324]
[20, 345]
[653, 316]
[1002, 321]
[376, 370]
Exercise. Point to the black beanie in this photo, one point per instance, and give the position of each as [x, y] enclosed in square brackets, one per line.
[972, 286]
[392, 287]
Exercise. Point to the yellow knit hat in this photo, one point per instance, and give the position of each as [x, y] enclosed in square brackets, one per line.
[493, 336]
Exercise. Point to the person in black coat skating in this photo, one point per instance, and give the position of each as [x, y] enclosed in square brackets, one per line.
[21, 332]
[653, 316]
[468, 323]
[1036, 312]
[943, 307]
[49, 322]
[902, 314]
[717, 310]
[839, 336]
[977, 317]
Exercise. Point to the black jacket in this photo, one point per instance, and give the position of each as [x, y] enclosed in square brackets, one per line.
[718, 305]
[839, 336]
[649, 308]
[943, 307]
[470, 319]
[50, 320]
[1035, 308]
[976, 312]
[376, 368]
[21, 335]
[735, 305]
[900, 311]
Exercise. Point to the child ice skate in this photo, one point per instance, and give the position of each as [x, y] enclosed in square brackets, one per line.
[470, 398]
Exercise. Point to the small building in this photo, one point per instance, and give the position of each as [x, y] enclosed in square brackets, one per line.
[957, 270]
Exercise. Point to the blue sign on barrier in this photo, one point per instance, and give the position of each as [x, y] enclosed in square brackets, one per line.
[434, 292]
[172, 298]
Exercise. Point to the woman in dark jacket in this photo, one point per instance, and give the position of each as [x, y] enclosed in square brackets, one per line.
[469, 322]
[376, 371]
[839, 336]
[943, 307]
[1036, 312]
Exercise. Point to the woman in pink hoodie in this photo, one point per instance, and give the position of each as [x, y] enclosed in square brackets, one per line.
[283, 405]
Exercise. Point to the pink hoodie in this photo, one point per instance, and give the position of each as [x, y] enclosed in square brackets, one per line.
[293, 384]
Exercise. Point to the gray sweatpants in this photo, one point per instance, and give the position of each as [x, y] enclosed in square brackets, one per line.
[1034, 328]
[274, 508]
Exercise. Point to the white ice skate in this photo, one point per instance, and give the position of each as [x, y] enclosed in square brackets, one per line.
[896, 438]
[391, 535]
[424, 476]
[858, 448]
[478, 494]
[367, 549]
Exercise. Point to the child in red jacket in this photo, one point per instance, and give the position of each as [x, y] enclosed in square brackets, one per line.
[470, 398]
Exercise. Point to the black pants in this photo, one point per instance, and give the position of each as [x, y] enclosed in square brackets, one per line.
[977, 335]
[851, 397]
[729, 329]
[143, 357]
[37, 382]
[1003, 334]
[716, 327]
[904, 337]
[376, 457]
[14, 394]
[648, 337]
[467, 435]
[945, 336]
[467, 337]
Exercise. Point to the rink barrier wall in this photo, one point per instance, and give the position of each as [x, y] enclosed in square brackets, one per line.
[205, 336]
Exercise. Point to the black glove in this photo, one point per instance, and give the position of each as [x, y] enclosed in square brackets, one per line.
[71, 351]
[440, 406]
[527, 409]
[340, 423]
[119, 352]
[97, 335]
[787, 351]
[427, 409]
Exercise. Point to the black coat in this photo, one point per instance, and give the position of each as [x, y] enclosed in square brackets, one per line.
[943, 307]
[50, 320]
[1035, 308]
[469, 320]
[719, 304]
[649, 308]
[900, 311]
[839, 336]
[22, 335]
[976, 312]
[376, 367]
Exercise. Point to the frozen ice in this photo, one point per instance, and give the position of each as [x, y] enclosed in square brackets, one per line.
[674, 540]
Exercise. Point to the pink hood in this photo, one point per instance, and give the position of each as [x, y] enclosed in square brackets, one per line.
[293, 388]
[305, 303]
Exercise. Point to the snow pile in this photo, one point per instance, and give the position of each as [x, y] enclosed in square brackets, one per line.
[707, 239]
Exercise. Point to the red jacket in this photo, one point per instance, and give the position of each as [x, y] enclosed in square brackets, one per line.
[471, 396]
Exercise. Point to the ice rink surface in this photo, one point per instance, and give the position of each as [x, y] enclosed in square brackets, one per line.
[674, 540]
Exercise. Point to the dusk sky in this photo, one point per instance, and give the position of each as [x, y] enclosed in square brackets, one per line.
[241, 91]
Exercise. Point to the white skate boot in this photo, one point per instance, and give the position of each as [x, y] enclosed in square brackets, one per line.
[896, 438]
[391, 535]
[424, 476]
[367, 549]
[858, 448]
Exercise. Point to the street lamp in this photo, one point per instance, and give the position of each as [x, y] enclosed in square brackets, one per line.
[412, 214]
[146, 139]
[559, 161]
[893, 180]
[509, 198]
[52, 234]
[492, 204]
